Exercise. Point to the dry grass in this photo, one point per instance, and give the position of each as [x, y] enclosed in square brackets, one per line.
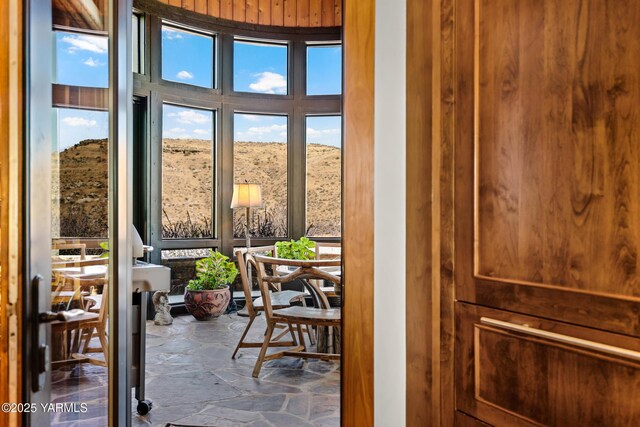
[187, 182]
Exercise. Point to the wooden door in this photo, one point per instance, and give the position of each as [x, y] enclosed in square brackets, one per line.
[547, 212]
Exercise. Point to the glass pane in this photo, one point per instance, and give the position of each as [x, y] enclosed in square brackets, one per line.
[80, 197]
[324, 176]
[182, 263]
[260, 157]
[324, 70]
[81, 59]
[187, 172]
[80, 175]
[135, 44]
[259, 67]
[187, 57]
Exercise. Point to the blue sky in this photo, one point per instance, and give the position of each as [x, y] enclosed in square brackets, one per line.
[82, 60]
[260, 68]
[324, 70]
[187, 57]
[77, 125]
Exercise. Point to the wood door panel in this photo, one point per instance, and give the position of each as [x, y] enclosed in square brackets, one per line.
[515, 378]
[548, 160]
[557, 153]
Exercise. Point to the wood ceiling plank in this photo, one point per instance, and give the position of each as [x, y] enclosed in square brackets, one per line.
[302, 13]
[264, 12]
[277, 12]
[328, 14]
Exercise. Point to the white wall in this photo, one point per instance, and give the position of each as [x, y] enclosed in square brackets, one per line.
[389, 213]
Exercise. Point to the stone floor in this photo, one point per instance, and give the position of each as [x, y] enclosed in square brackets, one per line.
[192, 380]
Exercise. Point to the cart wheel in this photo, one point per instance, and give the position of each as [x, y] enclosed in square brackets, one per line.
[144, 406]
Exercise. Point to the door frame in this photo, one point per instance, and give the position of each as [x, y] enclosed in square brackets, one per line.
[35, 146]
[357, 385]
[358, 107]
[11, 54]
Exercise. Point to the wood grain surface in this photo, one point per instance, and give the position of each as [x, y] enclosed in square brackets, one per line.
[546, 138]
[11, 157]
[558, 158]
[513, 379]
[288, 13]
[358, 224]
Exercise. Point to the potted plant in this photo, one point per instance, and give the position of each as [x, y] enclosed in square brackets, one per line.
[208, 295]
[301, 249]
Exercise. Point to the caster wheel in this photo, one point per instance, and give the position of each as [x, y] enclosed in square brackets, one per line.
[144, 406]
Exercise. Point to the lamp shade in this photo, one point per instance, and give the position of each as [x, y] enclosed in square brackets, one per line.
[246, 196]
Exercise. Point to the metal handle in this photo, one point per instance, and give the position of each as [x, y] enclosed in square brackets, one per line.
[564, 339]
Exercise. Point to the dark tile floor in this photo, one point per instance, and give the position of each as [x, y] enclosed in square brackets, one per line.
[192, 380]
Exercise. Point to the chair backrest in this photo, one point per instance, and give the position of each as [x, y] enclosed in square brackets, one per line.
[293, 269]
[328, 250]
[66, 246]
[245, 278]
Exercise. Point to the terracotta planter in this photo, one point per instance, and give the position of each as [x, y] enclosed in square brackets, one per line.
[207, 305]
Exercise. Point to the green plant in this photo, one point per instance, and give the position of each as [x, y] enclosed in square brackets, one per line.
[213, 272]
[296, 249]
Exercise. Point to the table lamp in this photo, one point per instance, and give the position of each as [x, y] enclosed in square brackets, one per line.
[246, 196]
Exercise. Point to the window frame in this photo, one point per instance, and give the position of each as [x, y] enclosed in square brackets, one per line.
[267, 42]
[214, 56]
[296, 105]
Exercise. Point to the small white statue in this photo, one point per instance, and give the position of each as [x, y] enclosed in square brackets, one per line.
[161, 302]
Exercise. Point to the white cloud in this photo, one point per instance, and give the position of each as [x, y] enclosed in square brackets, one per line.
[190, 117]
[252, 117]
[78, 121]
[93, 62]
[202, 131]
[329, 136]
[273, 133]
[176, 132]
[269, 82]
[184, 75]
[171, 34]
[94, 44]
[315, 132]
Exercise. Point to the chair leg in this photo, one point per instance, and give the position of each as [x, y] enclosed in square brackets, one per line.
[312, 336]
[244, 334]
[87, 334]
[263, 350]
[103, 343]
[301, 335]
[293, 335]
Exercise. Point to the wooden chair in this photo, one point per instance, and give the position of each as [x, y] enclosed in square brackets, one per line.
[279, 299]
[328, 250]
[293, 316]
[78, 332]
[66, 246]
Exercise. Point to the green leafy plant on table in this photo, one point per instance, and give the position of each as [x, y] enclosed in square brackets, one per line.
[213, 272]
[301, 249]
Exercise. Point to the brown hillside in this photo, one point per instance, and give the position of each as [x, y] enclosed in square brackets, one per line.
[187, 186]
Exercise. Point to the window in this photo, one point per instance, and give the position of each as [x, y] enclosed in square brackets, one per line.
[187, 172]
[324, 176]
[324, 69]
[182, 263]
[260, 67]
[80, 174]
[137, 44]
[81, 59]
[187, 57]
[260, 157]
